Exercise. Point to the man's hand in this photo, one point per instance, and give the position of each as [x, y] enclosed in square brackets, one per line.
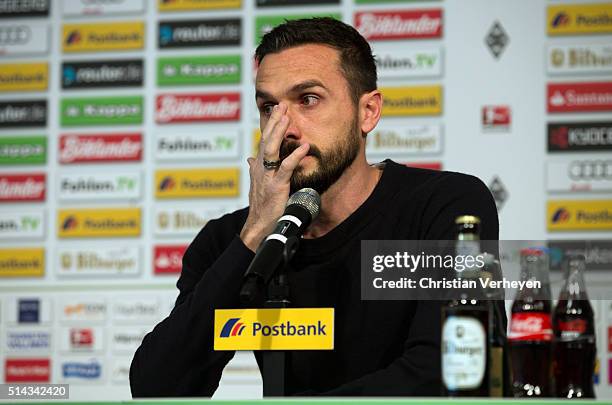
[269, 189]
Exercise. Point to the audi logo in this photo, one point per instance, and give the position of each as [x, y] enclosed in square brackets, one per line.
[590, 170]
[14, 35]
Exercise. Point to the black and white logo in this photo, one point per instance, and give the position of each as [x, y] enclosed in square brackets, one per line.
[183, 34]
[598, 253]
[23, 113]
[24, 8]
[580, 137]
[112, 73]
[497, 39]
[14, 35]
[590, 170]
[499, 191]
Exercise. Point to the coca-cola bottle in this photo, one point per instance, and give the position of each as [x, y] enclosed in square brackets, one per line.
[574, 329]
[530, 337]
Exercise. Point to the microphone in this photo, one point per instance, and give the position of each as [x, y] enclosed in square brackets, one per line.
[278, 248]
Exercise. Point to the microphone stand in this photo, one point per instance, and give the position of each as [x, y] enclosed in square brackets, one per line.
[275, 361]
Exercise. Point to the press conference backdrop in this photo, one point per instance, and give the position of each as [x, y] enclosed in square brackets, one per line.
[125, 126]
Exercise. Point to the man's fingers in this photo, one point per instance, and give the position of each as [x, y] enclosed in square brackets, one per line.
[272, 145]
[289, 164]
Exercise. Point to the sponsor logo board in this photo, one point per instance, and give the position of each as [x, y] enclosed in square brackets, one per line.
[101, 148]
[125, 340]
[597, 252]
[276, 3]
[94, 223]
[579, 175]
[496, 116]
[22, 225]
[83, 309]
[16, 114]
[28, 340]
[579, 215]
[579, 97]
[100, 186]
[399, 24]
[122, 110]
[24, 8]
[219, 144]
[27, 370]
[103, 37]
[24, 39]
[120, 371]
[98, 261]
[108, 73]
[177, 71]
[22, 187]
[81, 339]
[570, 19]
[23, 150]
[413, 100]
[102, 7]
[408, 63]
[580, 137]
[139, 310]
[410, 139]
[199, 33]
[24, 77]
[186, 5]
[180, 108]
[197, 183]
[582, 59]
[265, 23]
[186, 221]
[168, 259]
[81, 371]
[28, 311]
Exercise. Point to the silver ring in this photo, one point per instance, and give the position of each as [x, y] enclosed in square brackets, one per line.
[271, 165]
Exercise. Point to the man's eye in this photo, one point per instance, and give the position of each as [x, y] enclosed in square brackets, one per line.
[310, 100]
[267, 109]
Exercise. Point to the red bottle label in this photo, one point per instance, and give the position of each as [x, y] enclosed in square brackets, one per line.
[530, 326]
[575, 326]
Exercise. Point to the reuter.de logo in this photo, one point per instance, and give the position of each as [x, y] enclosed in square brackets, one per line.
[400, 24]
[100, 148]
[577, 97]
[233, 327]
[197, 107]
[22, 187]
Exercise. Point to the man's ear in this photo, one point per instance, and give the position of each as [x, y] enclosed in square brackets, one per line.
[370, 109]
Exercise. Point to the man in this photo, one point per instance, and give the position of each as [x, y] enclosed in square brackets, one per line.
[317, 97]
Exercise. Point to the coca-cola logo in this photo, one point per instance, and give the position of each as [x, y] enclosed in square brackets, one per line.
[100, 148]
[530, 326]
[197, 107]
[400, 24]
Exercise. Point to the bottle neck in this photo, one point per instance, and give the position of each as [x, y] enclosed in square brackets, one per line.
[574, 287]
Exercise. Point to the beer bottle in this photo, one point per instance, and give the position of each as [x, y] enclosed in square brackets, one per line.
[574, 331]
[465, 325]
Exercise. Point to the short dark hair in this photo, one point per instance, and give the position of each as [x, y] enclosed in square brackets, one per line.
[356, 59]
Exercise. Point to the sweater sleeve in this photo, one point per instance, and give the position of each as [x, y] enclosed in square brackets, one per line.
[177, 357]
[417, 371]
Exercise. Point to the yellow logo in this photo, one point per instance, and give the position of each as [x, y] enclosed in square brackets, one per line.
[274, 329]
[16, 262]
[579, 19]
[417, 100]
[588, 215]
[193, 183]
[98, 223]
[103, 37]
[24, 77]
[177, 5]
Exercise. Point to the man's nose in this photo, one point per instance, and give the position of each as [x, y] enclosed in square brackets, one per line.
[293, 131]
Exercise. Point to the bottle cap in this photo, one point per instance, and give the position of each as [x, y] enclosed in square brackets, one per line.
[467, 219]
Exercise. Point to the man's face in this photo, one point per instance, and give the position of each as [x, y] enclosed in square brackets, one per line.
[321, 112]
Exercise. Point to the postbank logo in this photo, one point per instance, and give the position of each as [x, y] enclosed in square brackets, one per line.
[579, 19]
[98, 223]
[576, 215]
[194, 183]
[22, 262]
[103, 37]
[417, 100]
[183, 5]
[24, 77]
[274, 329]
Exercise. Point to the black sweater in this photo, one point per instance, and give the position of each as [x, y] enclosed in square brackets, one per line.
[381, 347]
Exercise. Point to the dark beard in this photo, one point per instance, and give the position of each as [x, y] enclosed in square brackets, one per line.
[331, 163]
